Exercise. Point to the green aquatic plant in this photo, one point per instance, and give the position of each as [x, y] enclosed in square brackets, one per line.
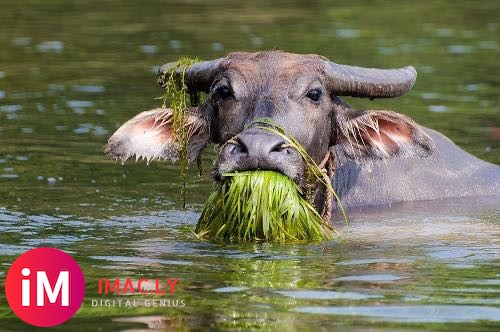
[261, 205]
[179, 98]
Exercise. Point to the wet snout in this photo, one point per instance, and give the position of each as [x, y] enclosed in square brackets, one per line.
[260, 145]
[258, 149]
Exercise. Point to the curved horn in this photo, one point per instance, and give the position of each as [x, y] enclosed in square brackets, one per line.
[199, 76]
[370, 82]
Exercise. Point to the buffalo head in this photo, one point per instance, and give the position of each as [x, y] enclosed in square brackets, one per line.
[300, 93]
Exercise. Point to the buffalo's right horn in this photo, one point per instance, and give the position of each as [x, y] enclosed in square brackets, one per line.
[199, 76]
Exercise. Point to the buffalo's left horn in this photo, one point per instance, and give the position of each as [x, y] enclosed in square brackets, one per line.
[370, 82]
[199, 76]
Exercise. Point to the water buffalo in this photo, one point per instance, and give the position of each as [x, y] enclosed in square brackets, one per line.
[379, 157]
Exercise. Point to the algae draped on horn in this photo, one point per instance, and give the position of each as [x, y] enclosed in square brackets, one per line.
[178, 97]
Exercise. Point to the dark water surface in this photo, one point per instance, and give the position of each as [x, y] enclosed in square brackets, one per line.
[72, 71]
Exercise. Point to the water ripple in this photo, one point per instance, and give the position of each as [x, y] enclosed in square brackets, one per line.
[418, 313]
[328, 295]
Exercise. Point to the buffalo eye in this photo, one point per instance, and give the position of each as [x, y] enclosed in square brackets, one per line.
[222, 92]
[314, 95]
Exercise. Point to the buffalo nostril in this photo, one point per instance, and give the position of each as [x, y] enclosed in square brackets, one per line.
[287, 147]
[280, 147]
[237, 147]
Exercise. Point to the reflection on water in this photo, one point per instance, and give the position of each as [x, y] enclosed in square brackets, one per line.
[70, 74]
[409, 264]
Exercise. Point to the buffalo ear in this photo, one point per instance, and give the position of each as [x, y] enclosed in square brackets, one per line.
[150, 135]
[364, 135]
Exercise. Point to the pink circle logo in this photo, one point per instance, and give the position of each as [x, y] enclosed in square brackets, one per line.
[45, 287]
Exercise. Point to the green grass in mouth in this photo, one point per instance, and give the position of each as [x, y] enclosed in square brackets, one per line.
[260, 205]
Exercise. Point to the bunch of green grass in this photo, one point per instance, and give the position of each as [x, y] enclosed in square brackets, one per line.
[261, 205]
